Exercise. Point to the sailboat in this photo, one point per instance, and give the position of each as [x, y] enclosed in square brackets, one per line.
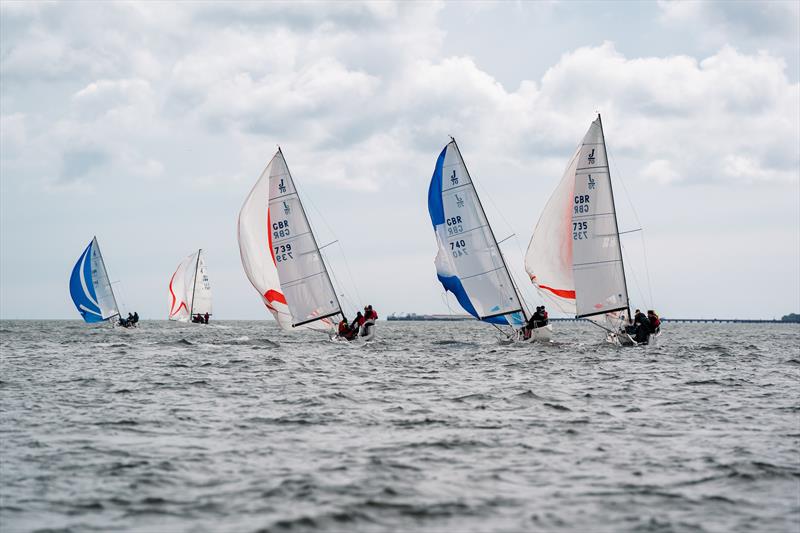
[90, 287]
[575, 257]
[190, 289]
[469, 263]
[281, 257]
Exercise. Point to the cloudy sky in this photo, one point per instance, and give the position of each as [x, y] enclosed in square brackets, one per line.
[146, 124]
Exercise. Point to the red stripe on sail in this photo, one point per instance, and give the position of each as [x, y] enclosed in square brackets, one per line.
[174, 298]
[559, 292]
[269, 236]
[275, 296]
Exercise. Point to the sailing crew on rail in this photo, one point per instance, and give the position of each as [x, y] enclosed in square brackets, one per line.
[655, 322]
[537, 319]
[358, 321]
[642, 327]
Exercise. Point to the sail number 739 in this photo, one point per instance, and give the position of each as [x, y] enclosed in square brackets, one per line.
[283, 252]
[458, 248]
[580, 230]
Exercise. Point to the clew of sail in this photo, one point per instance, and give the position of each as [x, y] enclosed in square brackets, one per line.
[280, 255]
[574, 257]
[90, 287]
[469, 263]
[189, 289]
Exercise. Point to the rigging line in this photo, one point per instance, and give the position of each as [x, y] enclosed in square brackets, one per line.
[599, 326]
[636, 282]
[305, 197]
[638, 221]
[334, 280]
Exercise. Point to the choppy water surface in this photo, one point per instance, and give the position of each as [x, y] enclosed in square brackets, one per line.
[436, 427]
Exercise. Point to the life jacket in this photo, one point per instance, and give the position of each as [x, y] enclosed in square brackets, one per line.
[361, 320]
[343, 328]
[655, 322]
[544, 315]
[373, 315]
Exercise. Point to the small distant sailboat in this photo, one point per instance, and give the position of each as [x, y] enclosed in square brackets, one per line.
[469, 263]
[190, 289]
[575, 257]
[281, 257]
[90, 287]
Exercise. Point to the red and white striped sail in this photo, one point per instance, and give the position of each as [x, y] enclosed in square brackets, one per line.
[574, 257]
[190, 289]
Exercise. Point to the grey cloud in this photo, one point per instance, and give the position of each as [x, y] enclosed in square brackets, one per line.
[77, 164]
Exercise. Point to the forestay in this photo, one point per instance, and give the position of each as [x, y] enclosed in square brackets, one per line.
[90, 287]
[574, 257]
[280, 255]
[190, 289]
[469, 263]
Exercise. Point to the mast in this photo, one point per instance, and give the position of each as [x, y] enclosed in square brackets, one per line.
[491, 232]
[314, 240]
[194, 283]
[616, 225]
[105, 271]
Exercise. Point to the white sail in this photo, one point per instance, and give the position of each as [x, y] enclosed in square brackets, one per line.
[574, 257]
[201, 299]
[279, 253]
[179, 289]
[102, 285]
[469, 262]
[190, 289]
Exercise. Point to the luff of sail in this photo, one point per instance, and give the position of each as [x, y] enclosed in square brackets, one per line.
[280, 255]
[574, 257]
[189, 289]
[469, 263]
[90, 287]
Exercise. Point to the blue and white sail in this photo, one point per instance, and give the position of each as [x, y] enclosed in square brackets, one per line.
[469, 263]
[90, 287]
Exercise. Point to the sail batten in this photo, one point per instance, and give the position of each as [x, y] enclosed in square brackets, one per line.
[574, 257]
[469, 263]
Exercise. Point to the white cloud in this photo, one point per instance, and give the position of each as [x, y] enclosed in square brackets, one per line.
[172, 97]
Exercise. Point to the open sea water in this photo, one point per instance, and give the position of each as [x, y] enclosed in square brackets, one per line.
[238, 426]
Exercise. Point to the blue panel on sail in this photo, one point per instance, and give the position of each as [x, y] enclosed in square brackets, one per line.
[435, 204]
[81, 288]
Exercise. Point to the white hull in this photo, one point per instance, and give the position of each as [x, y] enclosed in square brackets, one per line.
[368, 328]
[625, 340]
[543, 334]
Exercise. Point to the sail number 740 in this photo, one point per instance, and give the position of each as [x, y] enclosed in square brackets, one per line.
[458, 248]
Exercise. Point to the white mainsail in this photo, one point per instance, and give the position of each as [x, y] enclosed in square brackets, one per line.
[469, 262]
[280, 255]
[102, 285]
[190, 289]
[574, 257]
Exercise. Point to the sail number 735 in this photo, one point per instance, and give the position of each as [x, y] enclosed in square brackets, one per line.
[580, 230]
[283, 252]
[458, 248]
